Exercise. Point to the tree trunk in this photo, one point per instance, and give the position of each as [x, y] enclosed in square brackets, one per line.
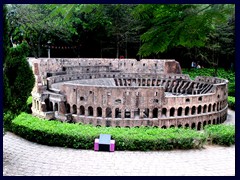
[39, 45]
[216, 68]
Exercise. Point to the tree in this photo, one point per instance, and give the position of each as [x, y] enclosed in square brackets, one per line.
[40, 23]
[6, 43]
[174, 25]
[18, 76]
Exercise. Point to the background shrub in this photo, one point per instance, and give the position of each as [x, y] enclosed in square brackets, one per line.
[231, 102]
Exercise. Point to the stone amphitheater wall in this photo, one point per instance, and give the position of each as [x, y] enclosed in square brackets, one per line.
[144, 93]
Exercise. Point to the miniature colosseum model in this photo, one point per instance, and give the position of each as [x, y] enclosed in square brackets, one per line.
[126, 93]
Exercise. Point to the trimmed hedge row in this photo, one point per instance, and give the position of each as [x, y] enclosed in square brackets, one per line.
[81, 136]
[221, 134]
[56, 133]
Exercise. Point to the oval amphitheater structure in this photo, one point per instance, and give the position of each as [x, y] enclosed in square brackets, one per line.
[126, 93]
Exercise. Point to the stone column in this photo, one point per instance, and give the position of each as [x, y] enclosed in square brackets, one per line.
[103, 112]
[132, 114]
[61, 108]
[94, 112]
[113, 113]
[168, 113]
[150, 113]
[141, 113]
[159, 113]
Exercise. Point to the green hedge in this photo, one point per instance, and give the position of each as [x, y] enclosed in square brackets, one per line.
[231, 102]
[221, 134]
[56, 133]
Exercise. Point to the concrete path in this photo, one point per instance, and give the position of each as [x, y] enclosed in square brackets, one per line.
[24, 158]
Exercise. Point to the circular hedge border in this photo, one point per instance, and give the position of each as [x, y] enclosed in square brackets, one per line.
[82, 136]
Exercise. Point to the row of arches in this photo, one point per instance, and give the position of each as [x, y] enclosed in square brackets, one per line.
[142, 113]
[192, 125]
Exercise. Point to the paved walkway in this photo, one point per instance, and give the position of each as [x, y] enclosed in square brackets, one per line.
[24, 158]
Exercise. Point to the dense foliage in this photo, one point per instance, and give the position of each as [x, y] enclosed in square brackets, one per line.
[20, 78]
[221, 134]
[231, 102]
[185, 32]
[81, 136]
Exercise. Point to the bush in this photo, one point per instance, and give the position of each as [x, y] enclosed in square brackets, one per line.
[231, 102]
[18, 79]
[56, 133]
[7, 120]
[221, 134]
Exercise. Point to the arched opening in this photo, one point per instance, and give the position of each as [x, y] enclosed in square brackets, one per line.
[218, 121]
[199, 126]
[186, 111]
[218, 106]
[205, 108]
[148, 82]
[199, 109]
[204, 123]
[146, 113]
[186, 125]
[108, 112]
[209, 107]
[120, 82]
[193, 110]
[127, 113]
[155, 113]
[82, 110]
[163, 127]
[50, 106]
[118, 101]
[164, 112]
[172, 111]
[172, 126]
[179, 113]
[214, 106]
[68, 108]
[214, 121]
[209, 121]
[143, 82]
[179, 126]
[118, 113]
[90, 111]
[99, 112]
[193, 126]
[74, 109]
[56, 107]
